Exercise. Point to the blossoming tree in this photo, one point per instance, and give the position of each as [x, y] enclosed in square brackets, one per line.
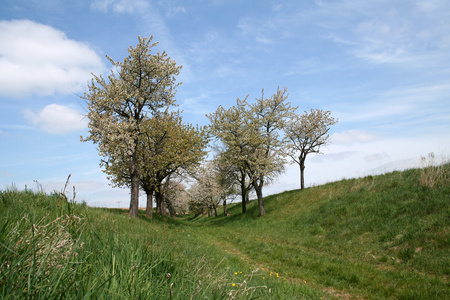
[306, 134]
[142, 85]
[251, 139]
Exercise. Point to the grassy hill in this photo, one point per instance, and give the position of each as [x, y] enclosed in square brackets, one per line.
[371, 238]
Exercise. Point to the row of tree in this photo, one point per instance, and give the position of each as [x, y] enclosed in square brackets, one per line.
[144, 142]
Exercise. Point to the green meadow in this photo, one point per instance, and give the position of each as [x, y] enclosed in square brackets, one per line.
[377, 237]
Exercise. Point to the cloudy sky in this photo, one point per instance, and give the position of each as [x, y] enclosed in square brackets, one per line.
[381, 67]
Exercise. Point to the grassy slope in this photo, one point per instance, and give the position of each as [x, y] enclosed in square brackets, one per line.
[376, 237]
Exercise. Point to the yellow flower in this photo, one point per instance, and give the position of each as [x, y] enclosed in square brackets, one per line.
[233, 284]
[235, 273]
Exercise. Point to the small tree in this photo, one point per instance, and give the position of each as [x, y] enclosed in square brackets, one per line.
[143, 85]
[175, 194]
[306, 134]
[225, 174]
[214, 184]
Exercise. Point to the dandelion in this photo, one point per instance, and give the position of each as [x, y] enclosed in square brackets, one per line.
[233, 284]
[235, 273]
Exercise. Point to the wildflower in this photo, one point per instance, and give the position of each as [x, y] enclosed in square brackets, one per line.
[235, 273]
[233, 284]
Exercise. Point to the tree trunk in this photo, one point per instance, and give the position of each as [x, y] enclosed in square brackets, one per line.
[149, 208]
[163, 206]
[258, 190]
[302, 174]
[243, 191]
[225, 206]
[159, 201]
[168, 206]
[135, 182]
[243, 194]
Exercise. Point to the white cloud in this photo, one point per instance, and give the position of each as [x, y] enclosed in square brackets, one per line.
[36, 58]
[261, 32]
[118, 6]
[353, 136]
[56, 119]
[175, 10]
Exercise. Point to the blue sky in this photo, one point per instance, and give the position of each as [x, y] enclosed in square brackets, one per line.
[381, 67]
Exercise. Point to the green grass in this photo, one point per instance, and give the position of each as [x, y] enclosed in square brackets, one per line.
[381, 237]
[375, 237]
[91, 253]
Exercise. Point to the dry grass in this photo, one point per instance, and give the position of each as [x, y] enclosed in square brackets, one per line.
[434, 172]
[52, 243]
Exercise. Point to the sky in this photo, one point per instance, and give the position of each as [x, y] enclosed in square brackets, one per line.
[381, 67]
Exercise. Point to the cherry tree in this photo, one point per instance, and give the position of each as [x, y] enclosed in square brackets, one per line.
[307, 133]
[142, 85]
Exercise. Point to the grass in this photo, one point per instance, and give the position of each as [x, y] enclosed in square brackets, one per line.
[381, 237]
[47, 253]
[375, 237]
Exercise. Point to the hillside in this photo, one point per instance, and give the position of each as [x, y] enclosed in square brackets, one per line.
[375, 237]
[371, 238]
